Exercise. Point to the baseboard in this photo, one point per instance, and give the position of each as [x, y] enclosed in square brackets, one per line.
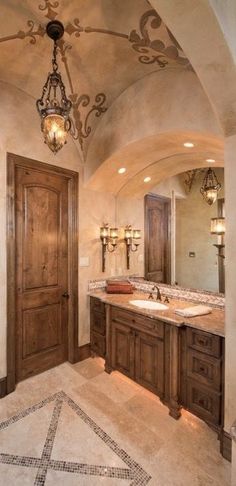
[3, 387]
[226, 445]
[83, 352]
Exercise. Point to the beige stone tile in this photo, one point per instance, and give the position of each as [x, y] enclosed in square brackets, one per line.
[89, 368]
[131, 434]
[152, 413]
[174, 453]
[199, 444]
[76, 441]
[26, 437]
[62, 479]
[117, 386]
[16, 476]
[36, 388]
[176, 469]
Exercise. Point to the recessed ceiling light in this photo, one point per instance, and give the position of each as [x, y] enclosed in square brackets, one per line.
[188, 144]
[122, 170]
[147, 179]
[211, 161]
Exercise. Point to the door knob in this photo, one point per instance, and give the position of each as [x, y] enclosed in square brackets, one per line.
[66, 295]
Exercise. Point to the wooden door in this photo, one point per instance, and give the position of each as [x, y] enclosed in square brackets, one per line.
[41, 270]
[149, 362]
[122, 349]
[157, 239]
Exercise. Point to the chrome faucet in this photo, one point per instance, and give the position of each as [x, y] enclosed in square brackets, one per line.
[158, 292]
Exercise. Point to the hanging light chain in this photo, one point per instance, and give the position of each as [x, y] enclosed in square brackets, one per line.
[54, 57]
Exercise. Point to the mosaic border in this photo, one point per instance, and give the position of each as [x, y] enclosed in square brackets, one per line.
[133, 472]
[174, 292]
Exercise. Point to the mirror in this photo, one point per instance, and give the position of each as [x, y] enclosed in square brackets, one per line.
[179, 246]
[197, 263]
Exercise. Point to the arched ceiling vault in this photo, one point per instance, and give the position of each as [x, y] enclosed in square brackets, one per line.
[107, 46]
[209, 44]
[135, 89]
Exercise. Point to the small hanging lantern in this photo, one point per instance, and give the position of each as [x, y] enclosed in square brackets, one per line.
[210, 187]
[53, 106]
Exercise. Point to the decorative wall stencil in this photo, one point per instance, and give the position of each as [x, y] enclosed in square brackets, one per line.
[161, 51]
[30, 33]
[81, 130]
[142, 42]
[190, 178]
[49, 7]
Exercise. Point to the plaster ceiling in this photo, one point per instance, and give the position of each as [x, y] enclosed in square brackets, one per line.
[130, 41]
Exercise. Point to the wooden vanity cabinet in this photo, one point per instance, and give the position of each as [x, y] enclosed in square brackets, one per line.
[202, 375]
[137, 348]
[97, 327]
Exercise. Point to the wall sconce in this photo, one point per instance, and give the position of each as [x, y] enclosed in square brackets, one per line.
[218, 228]
[130, 235]
[108, 238]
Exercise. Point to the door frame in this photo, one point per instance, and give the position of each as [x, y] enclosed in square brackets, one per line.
[14, 161]
[167, 200]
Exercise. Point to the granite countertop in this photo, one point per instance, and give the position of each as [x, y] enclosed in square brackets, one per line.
[213, 322]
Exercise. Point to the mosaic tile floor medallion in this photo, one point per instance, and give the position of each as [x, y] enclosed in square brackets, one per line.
[60, 444]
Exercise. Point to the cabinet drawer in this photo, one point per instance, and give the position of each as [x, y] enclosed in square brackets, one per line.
[98, 322]
[98, 344]
[204, 369]
[139, 322]
[97, 305]
[204, 341]
[203, 402]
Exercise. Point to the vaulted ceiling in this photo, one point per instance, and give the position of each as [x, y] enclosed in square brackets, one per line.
[136, 97]
[108, 45]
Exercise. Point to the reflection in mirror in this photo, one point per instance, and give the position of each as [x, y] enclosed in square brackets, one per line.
[199, 260]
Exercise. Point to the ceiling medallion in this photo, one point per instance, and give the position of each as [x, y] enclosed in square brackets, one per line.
[53, 106]
[210, 187]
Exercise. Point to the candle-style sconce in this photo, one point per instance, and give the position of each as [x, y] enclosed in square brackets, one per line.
[218, 228]
[108, 238]
[131, 235]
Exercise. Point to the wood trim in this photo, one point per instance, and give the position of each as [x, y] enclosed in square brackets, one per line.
[167, 200]
[3, 387]
[83, 352]
[14, 161]
[226, 445]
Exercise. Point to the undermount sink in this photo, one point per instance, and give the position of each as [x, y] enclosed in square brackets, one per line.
[148, 304]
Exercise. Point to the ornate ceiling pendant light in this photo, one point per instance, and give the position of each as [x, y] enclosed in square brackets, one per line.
[53, 106]
[210, 187]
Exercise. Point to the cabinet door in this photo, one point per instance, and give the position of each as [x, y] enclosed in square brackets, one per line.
[122, 351]
[149, 362]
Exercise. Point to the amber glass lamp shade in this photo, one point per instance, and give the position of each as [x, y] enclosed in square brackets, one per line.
[210, 195]
[104, 231]
[217, 226]
[55, 128]
[136, 234]
[113, 233]
[128, 232]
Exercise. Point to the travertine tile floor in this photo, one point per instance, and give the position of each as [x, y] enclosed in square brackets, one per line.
[76, 425]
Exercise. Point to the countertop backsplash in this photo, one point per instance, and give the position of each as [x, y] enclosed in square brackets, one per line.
[172, 291]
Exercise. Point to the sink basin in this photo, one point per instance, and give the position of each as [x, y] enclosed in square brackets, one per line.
[148, 304]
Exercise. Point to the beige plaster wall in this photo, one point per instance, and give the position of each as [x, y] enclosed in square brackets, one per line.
[193, 217]
[94, 207]
[230, 283]
[149, 116]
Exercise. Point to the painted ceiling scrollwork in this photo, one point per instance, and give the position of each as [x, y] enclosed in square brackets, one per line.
[161, 51]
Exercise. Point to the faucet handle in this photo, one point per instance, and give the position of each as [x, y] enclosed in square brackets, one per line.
[150, 296]
[166, 300]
